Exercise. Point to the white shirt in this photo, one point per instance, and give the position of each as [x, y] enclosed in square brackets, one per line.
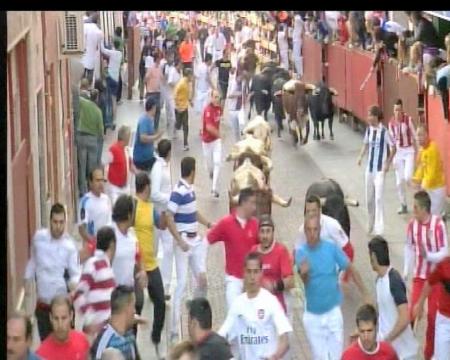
[125, 257]
[114, 62]
[95, 212]
[255, 324]
[49, 258]
[92, 39]
[282, 40]
[209, 44]
[391, 289]
[201, 77]
[379, 143]
[161, 181]
[330, 230]
[246, 34]
[173, 76]
[219, 42]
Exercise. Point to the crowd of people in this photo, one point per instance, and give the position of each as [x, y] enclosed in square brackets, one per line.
[130, 205]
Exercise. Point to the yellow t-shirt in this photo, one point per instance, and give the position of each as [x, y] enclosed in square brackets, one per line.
[430, 171]
[182, 94]
[144, 227]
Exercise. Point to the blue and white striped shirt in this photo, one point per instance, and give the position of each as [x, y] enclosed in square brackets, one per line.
[380, 144]
[183, 206]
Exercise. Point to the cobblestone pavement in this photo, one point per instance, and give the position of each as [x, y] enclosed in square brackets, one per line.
[294, 170]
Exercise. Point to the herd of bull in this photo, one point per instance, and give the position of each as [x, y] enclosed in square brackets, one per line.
[297, 102]
[294, 100]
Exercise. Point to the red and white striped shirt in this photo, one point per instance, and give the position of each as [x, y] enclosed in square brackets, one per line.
[93, 293]
[402, 131]
[433, 237]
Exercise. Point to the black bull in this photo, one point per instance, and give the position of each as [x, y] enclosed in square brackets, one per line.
[320, 106]
[262, 88]
[335, 205]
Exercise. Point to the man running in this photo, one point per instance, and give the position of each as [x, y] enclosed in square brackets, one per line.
[367, 346]
[394, 326]
[429, 173]
[426, 245]
[239, 233]
[211, 139]
[440, 275]
[183, 98]
[381, 152]
[203, 84]
[256, 320]
[224, 66]
[51, 249]
[318, 262]
[330, 229]
[401, 129]
[278, 276]
[183, 218]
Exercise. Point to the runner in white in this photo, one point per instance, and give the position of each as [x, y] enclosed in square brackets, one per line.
[283, 47]
[256, 320]
[203, 84]
[297, 41]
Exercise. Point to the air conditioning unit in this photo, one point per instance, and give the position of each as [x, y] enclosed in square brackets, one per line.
[72, 39]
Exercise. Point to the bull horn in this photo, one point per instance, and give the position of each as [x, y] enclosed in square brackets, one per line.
[351, 202]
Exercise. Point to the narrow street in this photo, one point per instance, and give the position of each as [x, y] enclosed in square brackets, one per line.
[294, 170]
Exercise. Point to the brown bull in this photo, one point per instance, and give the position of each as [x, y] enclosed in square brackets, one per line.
[295, 105]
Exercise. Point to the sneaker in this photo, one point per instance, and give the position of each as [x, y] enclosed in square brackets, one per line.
[402, 210]
[186, 148]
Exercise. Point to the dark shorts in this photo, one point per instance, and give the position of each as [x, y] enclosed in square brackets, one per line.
[187, 65]
[223, 89]
[112, 84]
[145, 165]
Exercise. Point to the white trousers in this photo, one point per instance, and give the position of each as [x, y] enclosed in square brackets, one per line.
[233, 288]
[195, 258]
[325, 334]
[114, 192]
[213, 153]
[284, 58]
[201, 100]
[442, 337]
[168, 101]
[437, 197]
[297, 57]
[234, 123]
[166, 239]
[374, 200]
[404, 168]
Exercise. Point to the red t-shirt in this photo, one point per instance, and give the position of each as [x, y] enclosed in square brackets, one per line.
[238, 241]
[277, 265]
[211, 116]
[384, 352]
[441, 274]
[75, 348]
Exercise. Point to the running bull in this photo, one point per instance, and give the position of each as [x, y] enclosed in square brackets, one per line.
[295, 100]
[320, 106]
[251, 145]
[249, 176]
[260, 129]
